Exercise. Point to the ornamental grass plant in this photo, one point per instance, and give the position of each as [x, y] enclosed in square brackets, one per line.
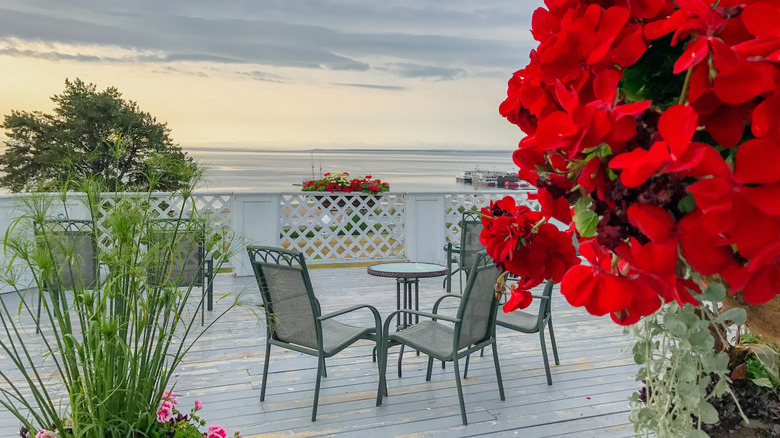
[651, 130]
[106, 352]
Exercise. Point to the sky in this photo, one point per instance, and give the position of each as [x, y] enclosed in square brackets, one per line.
[281, 74]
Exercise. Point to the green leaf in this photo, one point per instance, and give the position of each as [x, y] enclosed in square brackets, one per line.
[714, 292]
[586, 222]
[768, 357]
[696, 433]
[763, 382]
[715, 362]
[736, 315]
[707, 413]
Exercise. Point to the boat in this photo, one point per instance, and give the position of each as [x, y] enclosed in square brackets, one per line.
[487, 179]
[464, 177]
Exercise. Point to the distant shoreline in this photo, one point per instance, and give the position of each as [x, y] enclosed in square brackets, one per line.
[195, 149]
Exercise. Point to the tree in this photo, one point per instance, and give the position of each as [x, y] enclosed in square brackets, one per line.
[92, 134]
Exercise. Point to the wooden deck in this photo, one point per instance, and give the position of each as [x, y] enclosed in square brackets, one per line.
[588, 398]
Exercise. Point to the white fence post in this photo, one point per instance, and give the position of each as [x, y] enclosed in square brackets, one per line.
[425, 230]
[255, 221]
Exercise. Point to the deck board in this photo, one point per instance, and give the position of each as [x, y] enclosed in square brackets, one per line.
[224, 370]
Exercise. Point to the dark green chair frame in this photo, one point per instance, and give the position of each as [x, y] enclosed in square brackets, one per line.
[265, 258]
[85, 270]
[513, 321]
[481, 263]
[197, 272]
[461, 253]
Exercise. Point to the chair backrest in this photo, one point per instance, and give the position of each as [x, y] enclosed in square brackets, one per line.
[477, 311]
[288, 297]
[180, 252]
[470, 246]
[545, 306]
[74, 248]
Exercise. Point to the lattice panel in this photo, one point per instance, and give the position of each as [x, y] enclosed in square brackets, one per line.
[343, 227]
[210, 206]
[456, 203]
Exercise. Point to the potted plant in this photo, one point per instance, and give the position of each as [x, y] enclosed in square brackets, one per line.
[343, 183]
[651, 127]
[112, 336]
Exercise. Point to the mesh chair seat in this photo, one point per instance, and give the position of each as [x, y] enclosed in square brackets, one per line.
[519, 321]
[430, 337]
[337, 336]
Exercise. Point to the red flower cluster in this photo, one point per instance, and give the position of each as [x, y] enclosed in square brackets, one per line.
[663, 186]
[523, 243]
[340, 182]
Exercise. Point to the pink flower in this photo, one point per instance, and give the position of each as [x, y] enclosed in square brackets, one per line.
[165, 413]
[45, 433]
[170, 396]
[216, 431]
[198, 405]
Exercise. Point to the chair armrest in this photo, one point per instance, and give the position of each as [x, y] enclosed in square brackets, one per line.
[441, 298]
[433, 316]
[377, 318]
[347, 310]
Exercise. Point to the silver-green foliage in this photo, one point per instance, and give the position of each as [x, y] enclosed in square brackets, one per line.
[675, 348]
[105, 354]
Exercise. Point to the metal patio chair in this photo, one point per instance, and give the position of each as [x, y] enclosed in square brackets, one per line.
[294, 317]
[74, 249]
[525, 322]
[463, 253]
[474, 328]
[182, 260]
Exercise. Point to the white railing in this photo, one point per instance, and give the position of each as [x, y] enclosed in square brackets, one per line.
[328, 228]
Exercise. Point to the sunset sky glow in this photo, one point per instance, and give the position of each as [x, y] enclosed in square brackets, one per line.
[285, 74]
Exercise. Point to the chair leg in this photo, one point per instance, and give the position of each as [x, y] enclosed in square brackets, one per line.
[324, 370]
[210, 301]
[498, 372]
[552, 341]
[382, 365]
[400, 359]
[460, 391]
[203, 302]
[38, 318]
[544, 356]
[466, 368]
[482, 352]
[320, 371]
[265, 369]
[430, 369]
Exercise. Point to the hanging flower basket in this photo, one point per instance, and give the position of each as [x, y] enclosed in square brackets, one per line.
[651, 127]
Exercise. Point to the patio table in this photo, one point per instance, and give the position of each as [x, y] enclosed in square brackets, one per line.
[407, 274]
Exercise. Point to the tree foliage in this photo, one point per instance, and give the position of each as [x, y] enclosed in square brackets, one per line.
[95, 134]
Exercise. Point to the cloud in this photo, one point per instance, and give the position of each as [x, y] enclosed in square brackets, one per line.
[266, 77]
[374, 86]
[424, 71]
[411, 39]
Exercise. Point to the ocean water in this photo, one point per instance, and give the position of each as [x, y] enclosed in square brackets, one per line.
[404, 170]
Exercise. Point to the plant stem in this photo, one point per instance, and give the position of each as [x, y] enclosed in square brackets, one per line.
[686, 86]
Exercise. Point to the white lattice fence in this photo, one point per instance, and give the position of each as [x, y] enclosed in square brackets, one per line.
[343, 227]
[212, 206]
[456, 203]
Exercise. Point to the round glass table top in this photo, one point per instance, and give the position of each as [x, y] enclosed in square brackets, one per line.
[407, 270]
